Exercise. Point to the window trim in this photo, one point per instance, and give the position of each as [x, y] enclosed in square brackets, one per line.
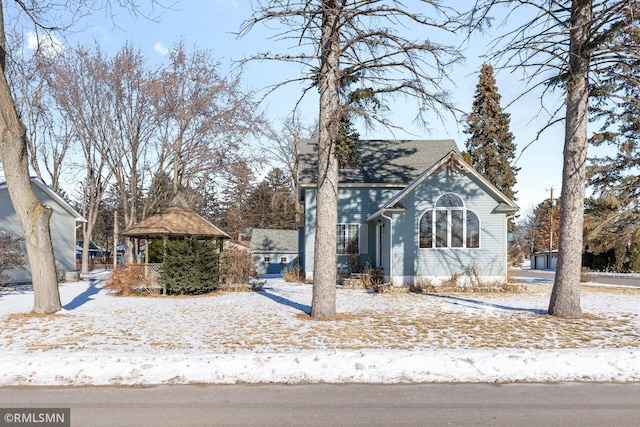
[436, 232]
[347, 225]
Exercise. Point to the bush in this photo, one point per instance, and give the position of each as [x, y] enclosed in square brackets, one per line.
[123, 281]
[12, 254]
[190, 266]
[293, 273]
[237, 267]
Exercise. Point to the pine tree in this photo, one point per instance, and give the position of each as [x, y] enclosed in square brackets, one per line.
[490, 142]
[615, 215]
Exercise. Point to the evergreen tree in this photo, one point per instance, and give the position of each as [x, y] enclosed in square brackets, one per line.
[271, 202]
[614, 218]
[490, 142]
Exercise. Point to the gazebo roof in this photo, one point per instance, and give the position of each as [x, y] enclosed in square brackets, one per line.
[176, 221]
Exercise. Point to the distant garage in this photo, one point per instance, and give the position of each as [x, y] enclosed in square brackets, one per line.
[542, 260]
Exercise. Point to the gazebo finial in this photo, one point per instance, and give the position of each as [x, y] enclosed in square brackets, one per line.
[179, 201]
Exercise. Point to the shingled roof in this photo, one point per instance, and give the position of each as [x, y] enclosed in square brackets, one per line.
[176, 221]
[381, 161]
[274, 240]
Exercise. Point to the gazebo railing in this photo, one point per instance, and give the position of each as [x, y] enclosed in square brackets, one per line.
[148, 276]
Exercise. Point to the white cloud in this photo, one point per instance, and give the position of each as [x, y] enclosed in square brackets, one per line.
[46, 43]
[160, 48]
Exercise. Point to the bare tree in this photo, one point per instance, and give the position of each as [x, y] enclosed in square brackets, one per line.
[76, 79]
[203, 117]
[567, 44]
[359, 38]
[284, 146]
[11, 255]
[32, 214]
[49, 135]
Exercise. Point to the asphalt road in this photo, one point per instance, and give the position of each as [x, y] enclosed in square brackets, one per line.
[568, 404]
[547, 277]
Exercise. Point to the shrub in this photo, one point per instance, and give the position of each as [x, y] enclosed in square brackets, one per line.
[190, 266]
[123, 281]
[12, 254]
[293, 273]
[237, 267]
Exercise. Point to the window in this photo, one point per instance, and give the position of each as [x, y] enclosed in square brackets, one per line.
[283, 260]
[348, 238]
[266, 259]
[449, 225]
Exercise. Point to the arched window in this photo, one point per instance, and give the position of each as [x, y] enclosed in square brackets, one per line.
[449, 225]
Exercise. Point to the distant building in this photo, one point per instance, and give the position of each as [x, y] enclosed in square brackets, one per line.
[541, 261]
[273, 249]
[62, 224]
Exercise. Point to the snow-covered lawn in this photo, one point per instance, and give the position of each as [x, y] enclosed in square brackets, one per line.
[262, 337]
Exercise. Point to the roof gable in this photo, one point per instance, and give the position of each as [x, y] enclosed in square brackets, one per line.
[453, 161]
[389, 162]
[37, 182]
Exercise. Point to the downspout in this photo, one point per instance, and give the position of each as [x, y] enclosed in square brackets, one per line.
[390, 245]
[506, 247]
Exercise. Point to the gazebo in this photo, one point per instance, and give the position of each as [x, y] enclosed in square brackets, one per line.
[174, 222]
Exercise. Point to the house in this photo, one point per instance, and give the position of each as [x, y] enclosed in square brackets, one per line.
[414, 209]
[63, 223]
[273, 250]
[95, 251]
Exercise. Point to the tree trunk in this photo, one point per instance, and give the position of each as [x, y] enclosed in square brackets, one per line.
[323, 305]
[565, 297]
[33, 215]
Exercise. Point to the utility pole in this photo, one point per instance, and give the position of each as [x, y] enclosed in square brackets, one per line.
[115, 240]
[550, 227]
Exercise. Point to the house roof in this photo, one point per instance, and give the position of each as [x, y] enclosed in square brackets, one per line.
[454, 161]
[272, 240]
[175, 221]
[391, 162]
[52, 194]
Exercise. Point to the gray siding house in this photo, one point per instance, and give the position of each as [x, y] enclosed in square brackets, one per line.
[416, 210]
[273, 250]
[63, 228]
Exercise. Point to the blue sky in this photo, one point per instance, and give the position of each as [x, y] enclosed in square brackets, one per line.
[211, 24]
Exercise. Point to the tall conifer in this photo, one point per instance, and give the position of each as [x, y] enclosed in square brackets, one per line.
[614, 217]
[490, 142]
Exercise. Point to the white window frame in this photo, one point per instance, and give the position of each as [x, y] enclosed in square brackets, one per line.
[433, 212]
[342, 240]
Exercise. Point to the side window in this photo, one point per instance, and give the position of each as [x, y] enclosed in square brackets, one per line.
[473, 230]
[348, 238]
[449, 225]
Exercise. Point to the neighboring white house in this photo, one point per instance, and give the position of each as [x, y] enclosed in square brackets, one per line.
[273, 249]
[63, 225]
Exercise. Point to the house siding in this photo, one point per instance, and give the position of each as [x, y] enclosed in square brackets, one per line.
[442, 263]
[355, 204]
[274, 266]
[62, 226]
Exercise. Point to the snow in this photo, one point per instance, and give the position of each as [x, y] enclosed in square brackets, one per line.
[266, 337]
